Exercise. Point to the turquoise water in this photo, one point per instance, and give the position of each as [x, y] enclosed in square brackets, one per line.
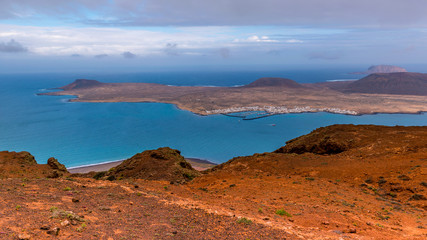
[88, 133]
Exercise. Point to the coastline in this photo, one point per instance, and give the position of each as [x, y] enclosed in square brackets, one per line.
[225, 111]
[96, 167]
[198, 164]
[234, 100]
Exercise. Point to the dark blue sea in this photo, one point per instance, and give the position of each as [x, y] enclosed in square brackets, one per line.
[89, 133]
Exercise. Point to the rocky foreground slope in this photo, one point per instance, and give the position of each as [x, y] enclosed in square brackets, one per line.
[338, 182]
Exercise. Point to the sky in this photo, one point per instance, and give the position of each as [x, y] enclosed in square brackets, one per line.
[144, 35]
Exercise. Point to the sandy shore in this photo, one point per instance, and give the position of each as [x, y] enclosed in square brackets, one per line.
[96, 167]
[197, 164]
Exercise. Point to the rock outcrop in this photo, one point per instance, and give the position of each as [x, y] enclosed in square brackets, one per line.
[23, 164]
[161, 164]
[54, 164]
[329, 140]
[58, 168]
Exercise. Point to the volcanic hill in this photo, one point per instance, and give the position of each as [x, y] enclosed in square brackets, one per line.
[274, 82]
[162, 164]
[405, 83]
[82, 84]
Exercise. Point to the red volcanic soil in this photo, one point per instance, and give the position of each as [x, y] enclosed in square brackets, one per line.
[338, 182]
[366, 182]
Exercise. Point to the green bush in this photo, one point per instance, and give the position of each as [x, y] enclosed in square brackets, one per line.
[282, 212]
[99, 175]
[244, 220]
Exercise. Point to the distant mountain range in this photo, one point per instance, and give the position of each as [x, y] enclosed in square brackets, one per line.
[403, 83]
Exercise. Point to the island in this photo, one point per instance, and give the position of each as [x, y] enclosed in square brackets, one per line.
[402, 92]
[382, 69]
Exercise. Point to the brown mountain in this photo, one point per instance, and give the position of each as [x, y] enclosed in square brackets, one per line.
[275, 82]
[81, 84]
[404, 83]
[161, 164]
[382, 69]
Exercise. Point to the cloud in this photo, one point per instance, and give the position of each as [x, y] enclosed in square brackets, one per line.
[60, 9]
[294, 41]
[101, 56]
[308, 13]
[256, 39]
[128, 55]
[190, 43]
[97, 41]
[76, 55]
[12, 47]
[171, 49]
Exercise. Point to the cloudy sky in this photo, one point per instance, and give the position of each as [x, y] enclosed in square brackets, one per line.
[139, 35]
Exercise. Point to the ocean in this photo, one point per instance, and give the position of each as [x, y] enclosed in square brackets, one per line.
[90, 133]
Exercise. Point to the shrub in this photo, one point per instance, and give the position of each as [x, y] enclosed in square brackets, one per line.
[111, 178]
[244, 220]
[81, 228]
[99, 175]
[189, 176]
[282, 212]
